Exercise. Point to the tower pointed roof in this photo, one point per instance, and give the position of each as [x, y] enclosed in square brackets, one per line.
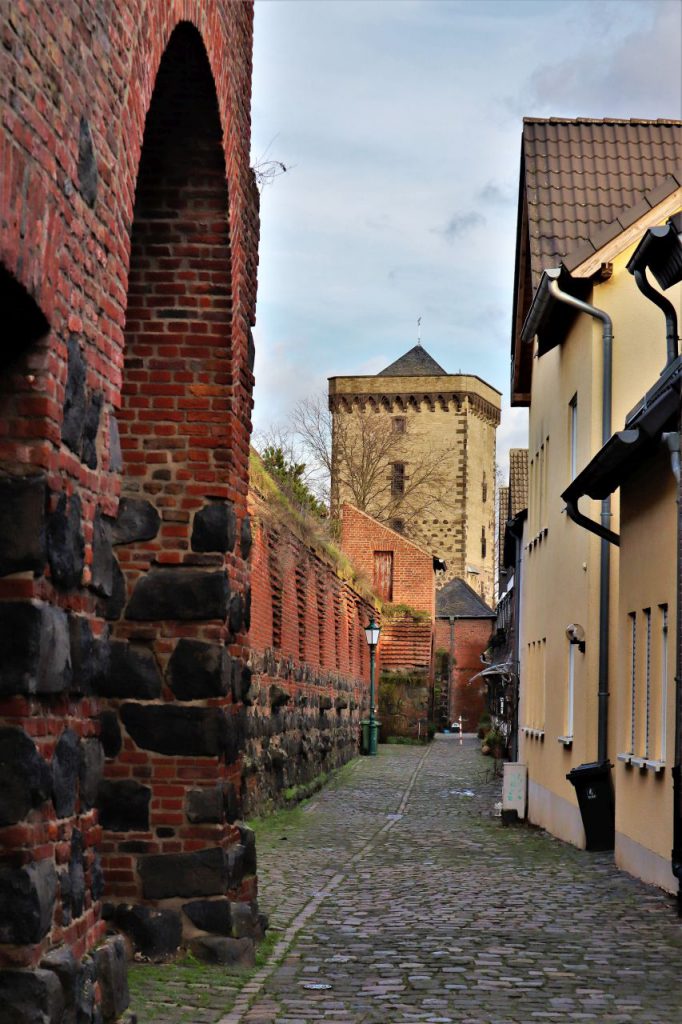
[415, 363]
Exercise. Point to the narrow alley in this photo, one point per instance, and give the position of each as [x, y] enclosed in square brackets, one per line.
[396, 896]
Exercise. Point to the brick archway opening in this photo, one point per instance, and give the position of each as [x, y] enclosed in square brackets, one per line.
[176, 857]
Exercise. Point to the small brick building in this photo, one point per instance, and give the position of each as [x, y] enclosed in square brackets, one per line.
[402, 575]
[462, 633]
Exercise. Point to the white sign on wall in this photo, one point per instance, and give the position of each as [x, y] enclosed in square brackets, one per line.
[514, 787]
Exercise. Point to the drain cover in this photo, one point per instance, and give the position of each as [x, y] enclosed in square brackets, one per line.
[316, 985]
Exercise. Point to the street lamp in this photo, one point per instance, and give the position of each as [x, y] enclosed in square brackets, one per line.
[372, 632]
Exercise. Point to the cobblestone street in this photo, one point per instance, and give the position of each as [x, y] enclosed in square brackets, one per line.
[394, 896]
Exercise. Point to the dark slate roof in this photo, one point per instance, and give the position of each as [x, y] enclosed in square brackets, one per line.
[415, 363]
[583, 175]
[461, 601]
[518, 481]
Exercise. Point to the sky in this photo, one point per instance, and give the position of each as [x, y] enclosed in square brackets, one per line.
[399, 122]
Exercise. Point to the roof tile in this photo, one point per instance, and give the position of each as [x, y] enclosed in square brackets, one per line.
[583, 174]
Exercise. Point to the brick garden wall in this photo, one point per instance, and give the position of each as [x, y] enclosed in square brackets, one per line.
[309, 664]
[467, 696]
[128, 251]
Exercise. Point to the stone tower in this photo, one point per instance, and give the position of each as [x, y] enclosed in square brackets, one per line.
[426, 438]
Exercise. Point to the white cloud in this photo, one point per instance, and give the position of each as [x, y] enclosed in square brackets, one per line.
[401, 120]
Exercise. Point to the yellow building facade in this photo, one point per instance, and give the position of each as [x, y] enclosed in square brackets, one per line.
[434, 436]
[584, 631]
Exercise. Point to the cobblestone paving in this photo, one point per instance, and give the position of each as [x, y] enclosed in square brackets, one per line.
[399, 894]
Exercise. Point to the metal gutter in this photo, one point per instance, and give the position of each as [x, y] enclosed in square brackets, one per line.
[606, 540]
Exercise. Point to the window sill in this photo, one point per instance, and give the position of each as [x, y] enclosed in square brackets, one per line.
[645, 763]
[566, 740]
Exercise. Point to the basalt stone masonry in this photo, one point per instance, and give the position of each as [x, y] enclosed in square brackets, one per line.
[128, 252]
[306, 685]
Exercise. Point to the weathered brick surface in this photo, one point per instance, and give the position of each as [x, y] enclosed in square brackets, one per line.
[128, 250]
[467, 694]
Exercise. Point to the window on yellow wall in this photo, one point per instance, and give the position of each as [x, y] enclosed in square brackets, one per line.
[648, 682]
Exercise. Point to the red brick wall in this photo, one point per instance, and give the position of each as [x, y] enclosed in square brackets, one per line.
[309, 662]
[177, 301]
[413, 577]
[467, 697]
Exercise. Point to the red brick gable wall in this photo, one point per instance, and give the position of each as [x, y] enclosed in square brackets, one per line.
[413, 576]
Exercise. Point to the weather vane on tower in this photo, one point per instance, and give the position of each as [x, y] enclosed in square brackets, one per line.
[419, 330]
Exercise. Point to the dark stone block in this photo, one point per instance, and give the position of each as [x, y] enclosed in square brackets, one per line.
[241, 682]
[86, 1012]
[65, 543]
[155, 933]
[247, 609]
[77, 874]
[90, 772]
[63, 963]
[231, 802]
[64, 880]
[30, 997]
[215, 527]
[110, 733]
[23, 501]
[115, 456]
[97, 878]
[205, 805]
[197, 669]
[27, 896]
[87, 164]
[214, 949]
[236, 616]
[210, 915]
[251, 351]
[246, 539]
[25, 778]
[236, 734]
[90, 428]
[65, 765]
[112, 974]
[123, 805]
[340, 703]
[89, 656]
[137, 520]
[185, 594]
[235, 865]
[102, 581]
[111, 607]
[180, 731]
[278, 697]
[245, 922]
[204, 873]
[325, 703]
[133, 672]
[75, 398]
[248, 841]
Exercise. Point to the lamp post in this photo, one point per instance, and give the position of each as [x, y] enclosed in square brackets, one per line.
[372, 632]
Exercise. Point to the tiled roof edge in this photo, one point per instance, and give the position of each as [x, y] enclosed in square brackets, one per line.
[605, 233]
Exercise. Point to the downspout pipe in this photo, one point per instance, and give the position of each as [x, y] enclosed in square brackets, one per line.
[605, 553]
[451, 666]
[651, 293]
[676, 854]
